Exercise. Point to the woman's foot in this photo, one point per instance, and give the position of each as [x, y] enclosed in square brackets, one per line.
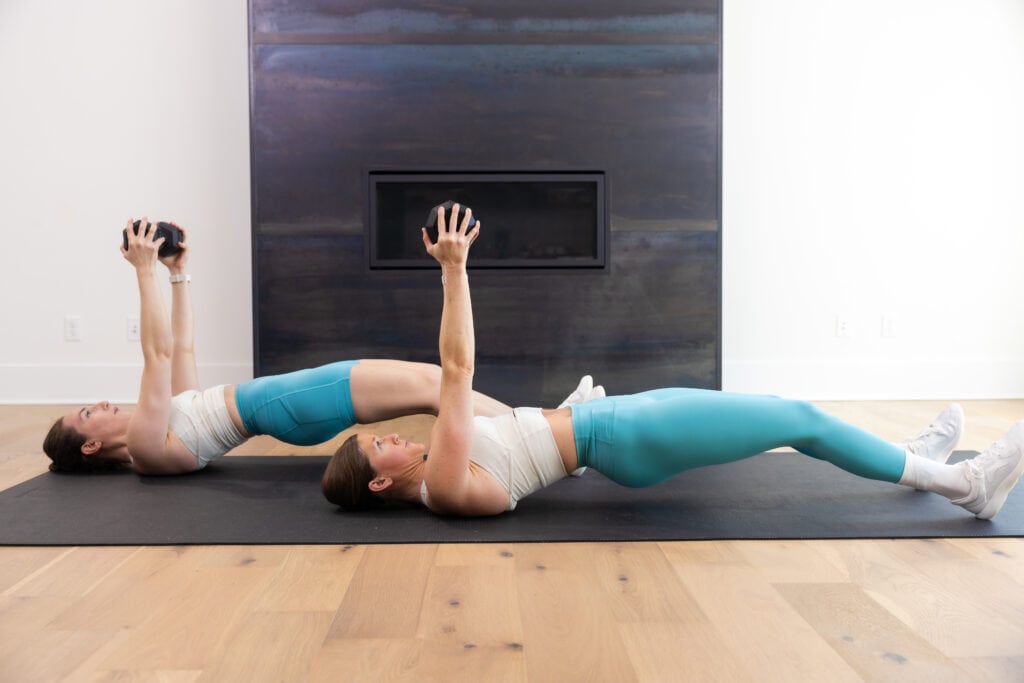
[939, 438]
[580, 393]
[993, 474]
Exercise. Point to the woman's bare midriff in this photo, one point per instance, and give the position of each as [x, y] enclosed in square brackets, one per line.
[560, 420]
[236, 417]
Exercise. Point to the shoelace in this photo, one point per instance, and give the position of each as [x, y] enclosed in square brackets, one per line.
[995, 452]
[934, 429]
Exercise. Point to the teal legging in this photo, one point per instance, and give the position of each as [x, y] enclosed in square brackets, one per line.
[642, 439]
[303, 408]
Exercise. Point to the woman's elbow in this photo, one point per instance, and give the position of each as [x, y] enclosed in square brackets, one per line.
[456, 372]
[157, 353]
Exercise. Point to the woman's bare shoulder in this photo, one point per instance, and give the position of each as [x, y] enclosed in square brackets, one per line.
[482, 496]
[174, 458]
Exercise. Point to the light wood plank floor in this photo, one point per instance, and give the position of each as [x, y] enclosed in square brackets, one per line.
[934, 610]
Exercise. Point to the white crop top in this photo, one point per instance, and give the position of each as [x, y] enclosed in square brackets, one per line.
[518, 449]
[202, 422]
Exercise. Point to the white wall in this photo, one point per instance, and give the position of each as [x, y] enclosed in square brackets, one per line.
[873, 164]
[112, 109]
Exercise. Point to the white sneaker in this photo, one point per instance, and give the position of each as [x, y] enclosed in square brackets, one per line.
[580, 393]
[939, 438]
[993, 474]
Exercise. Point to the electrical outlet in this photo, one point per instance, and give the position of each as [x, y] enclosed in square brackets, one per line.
[888, 326]
[72, 328]
[134, 333]
[842, 327]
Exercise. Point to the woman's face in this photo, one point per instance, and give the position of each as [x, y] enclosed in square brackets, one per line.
[388, 454]
[99, 422]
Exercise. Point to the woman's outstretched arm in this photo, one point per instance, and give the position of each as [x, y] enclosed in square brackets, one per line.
[184, 375]
[447, 472]
[147, 430]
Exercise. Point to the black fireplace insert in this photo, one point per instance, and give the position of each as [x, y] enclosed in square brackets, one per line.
[529, 220]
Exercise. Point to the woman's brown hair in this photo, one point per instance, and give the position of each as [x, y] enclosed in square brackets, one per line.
[346, 481]
[63, 445]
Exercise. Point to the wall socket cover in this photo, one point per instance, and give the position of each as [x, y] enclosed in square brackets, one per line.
[72, 328]
[842, 326]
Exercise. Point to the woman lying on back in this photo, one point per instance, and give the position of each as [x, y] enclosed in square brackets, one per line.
[484, 466]
[179, 427]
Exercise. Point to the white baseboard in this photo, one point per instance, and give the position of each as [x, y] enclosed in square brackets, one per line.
[873, 379]
[117, 383]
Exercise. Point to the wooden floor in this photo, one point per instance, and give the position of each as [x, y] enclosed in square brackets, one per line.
[934, 610]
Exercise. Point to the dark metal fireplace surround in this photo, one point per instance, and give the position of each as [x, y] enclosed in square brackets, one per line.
[533, 220]
[585, 134]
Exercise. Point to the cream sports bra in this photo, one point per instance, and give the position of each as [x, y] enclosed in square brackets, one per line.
[518, 449]
[202, 422]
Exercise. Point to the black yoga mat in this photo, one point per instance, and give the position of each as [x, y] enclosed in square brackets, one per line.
[276, 500]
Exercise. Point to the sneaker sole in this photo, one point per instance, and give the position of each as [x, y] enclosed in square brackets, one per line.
[1003, 490]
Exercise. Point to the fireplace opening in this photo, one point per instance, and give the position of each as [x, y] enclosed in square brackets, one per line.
[529, 220]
